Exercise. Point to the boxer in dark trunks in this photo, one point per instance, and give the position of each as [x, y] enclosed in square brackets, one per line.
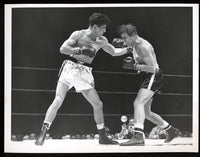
[145, 63]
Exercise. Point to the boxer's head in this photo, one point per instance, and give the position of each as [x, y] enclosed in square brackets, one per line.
[98, 23]
[128, 33]
[98, 19]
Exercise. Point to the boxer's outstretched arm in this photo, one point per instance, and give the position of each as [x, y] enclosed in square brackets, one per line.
[114, 51]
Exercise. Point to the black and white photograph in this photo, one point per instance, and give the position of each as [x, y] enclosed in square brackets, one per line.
[101, 78]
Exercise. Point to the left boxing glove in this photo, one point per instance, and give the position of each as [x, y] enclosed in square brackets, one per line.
[128, 63]
[118, 43]
[85, 50]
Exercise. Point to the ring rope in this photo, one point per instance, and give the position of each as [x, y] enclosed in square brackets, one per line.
[104, 72]
[113, 115]
[103, 92]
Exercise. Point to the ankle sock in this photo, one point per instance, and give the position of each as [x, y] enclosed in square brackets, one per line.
[139, 126]
[100, 126]
[164, 125]
[47, 124]
[167, 127]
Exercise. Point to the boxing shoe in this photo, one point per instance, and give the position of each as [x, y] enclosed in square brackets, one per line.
[171, 133]
[40, 139]
[104, 139]
[136, 140]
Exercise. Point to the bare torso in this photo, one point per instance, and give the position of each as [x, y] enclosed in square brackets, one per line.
[84, 40]
[144, 53]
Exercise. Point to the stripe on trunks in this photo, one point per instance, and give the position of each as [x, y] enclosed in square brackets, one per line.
[151, 81]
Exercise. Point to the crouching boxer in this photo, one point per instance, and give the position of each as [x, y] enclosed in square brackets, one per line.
[81, 48]
[145, 63]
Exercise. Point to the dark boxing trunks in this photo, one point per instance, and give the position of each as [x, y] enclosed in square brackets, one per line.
[151, 81]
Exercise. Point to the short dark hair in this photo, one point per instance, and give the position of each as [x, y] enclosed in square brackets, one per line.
[128, 28]
[98, 19]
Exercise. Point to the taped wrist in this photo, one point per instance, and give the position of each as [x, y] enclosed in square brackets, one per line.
[129, 49]
[77, 51]
[138, 67]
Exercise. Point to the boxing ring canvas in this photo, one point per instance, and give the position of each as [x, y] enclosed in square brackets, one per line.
[33, 36]
[92, 146]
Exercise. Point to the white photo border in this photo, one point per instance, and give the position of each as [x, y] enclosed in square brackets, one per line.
[8, 144]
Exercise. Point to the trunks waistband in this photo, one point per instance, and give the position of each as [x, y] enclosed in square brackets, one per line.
[79, 62]
[157, 70]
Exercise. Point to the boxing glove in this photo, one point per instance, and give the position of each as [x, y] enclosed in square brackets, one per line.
[85, 50]
[118, 43]
[128, 63]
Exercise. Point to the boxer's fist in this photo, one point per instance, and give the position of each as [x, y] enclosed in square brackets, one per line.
[118, 43]
[129, 49]
[88, 51]
[128, 63]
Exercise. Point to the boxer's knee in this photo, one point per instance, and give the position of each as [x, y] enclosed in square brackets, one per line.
[148, 114]
[147, 111]
[137, 103]
[140, 102]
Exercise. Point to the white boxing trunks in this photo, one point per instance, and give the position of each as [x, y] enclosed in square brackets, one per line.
[76, 75]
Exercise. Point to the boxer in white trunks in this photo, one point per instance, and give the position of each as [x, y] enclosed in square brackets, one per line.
[81, 48]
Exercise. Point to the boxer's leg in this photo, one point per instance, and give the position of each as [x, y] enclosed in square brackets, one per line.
[144, 95]
[61, 91]
[158, 120]
[153, 117]
[93, 98]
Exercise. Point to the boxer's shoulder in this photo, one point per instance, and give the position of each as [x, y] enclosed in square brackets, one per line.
[78, 33]
[102, 38]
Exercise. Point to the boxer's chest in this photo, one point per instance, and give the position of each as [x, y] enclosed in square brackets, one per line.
[86, 41]
[137, 55]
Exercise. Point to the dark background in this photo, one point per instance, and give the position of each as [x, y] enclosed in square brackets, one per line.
[38, 33]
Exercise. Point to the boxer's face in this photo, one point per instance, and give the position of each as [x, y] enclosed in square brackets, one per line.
[127, 39]
[100, 30]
